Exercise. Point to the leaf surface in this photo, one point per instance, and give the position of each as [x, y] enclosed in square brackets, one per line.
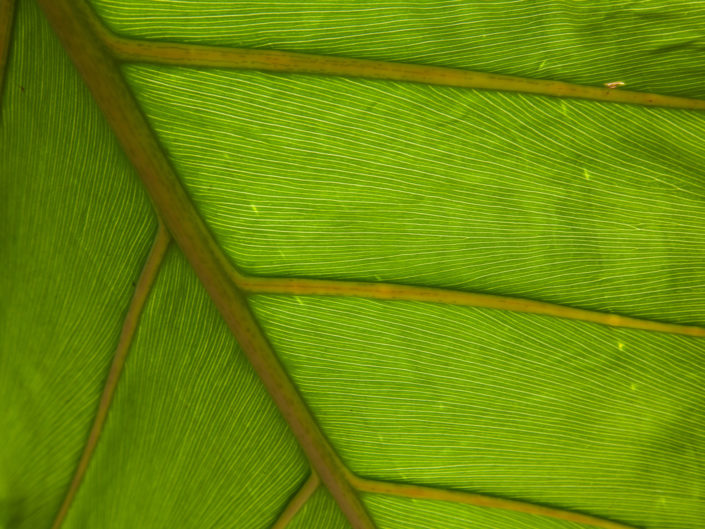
[581, 203]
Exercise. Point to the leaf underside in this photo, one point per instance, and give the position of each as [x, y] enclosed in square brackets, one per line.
[593, 205]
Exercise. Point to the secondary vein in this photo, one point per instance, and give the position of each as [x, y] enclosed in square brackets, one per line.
[398, 292]
[194, 55]
[139, 297]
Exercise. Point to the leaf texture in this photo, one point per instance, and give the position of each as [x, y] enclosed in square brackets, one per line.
[651, 45]
[569, 413]
[586, 204]
[418, 514]
[76, 228]
[576, 202]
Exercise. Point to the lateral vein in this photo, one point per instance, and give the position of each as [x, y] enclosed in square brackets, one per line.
[398, 292]
[480, 500]
[139, 297]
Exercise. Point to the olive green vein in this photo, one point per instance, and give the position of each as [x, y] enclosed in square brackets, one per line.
[139, 297]
[129, 50]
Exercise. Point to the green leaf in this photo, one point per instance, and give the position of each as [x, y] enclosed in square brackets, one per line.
[575, 202]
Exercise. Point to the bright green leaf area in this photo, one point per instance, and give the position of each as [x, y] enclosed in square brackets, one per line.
[581, 203]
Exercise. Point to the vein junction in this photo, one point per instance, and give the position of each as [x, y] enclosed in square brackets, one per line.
[298, 501]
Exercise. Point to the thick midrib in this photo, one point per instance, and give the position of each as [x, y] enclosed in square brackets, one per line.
[78, 30]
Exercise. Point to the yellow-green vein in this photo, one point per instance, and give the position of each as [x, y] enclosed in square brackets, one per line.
[71, 21]
[139, 297]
